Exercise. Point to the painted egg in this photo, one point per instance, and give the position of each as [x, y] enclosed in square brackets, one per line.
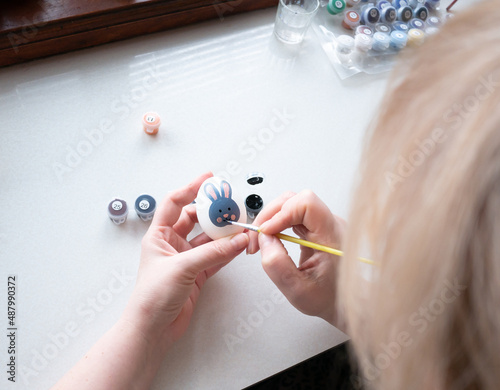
[216, 203]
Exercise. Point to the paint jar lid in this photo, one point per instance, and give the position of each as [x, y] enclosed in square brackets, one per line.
[400, 3]
[145, 204]
[400, 26]
[381, 41]
[352, 3]
[335, 7]
[369, 14]
[364, 30]
[416, 23]
[363, 42]
[388, 14]
[382, 27]
[416, 36]
[421, 12]
[433, 21]
[255, 178]
[151, 119]
[345, 43]
[431, 30]
[117, 208]
[432, 4]
[351, 19]
[381, 4]
[398, 39]
[405, 13]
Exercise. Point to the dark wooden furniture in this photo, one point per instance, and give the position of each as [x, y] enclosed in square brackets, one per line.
[32, 29]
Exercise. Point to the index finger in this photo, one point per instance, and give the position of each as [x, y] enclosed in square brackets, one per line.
[170, 208]
[303, 209]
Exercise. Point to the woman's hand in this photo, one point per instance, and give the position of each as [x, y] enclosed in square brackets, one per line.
[171, 273]
[173, 270]
[310, 287]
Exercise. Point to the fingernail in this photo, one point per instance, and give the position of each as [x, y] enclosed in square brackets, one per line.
[239, 241]
[250, 248]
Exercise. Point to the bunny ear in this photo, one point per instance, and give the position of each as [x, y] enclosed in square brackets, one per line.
[225, 189]
[211, 192]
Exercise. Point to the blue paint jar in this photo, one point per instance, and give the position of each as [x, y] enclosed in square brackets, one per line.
[400, 26]
[369, 14]
[398, 40]
[405, 14]
[145, 207]
[416, 23]
[388, 14]
[399, 3]
[432, 4]
[421, 12]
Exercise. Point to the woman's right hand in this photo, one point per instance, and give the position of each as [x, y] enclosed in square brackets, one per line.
[310, 287]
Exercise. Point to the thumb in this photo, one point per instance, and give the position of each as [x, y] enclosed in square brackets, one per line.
[214, 253]
[278, 265]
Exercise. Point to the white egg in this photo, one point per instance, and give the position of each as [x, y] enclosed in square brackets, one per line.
[215, 204]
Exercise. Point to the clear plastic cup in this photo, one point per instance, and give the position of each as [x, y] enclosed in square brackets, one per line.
[293, 19]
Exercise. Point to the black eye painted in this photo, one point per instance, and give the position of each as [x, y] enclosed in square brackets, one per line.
[220, 211]
[229, 208]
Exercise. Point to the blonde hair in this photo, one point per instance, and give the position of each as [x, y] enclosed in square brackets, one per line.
[427, 210]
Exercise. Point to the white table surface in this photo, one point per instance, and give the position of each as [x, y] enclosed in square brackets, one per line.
[217, 86]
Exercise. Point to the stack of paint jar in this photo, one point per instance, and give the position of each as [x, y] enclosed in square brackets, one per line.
[382, 27]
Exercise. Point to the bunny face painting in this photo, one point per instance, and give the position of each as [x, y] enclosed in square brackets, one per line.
[223, 207]
[215, 205]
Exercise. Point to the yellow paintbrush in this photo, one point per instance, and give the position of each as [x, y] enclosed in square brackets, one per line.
[300, 241]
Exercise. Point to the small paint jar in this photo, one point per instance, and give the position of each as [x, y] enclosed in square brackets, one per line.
[380, 42]
[369, 14]
[363, 42]
[433, 21]
[118, 211]
[432, 4]
[404, 14]
[431, 31]
[421, 12]
[415, 3]
[345, 44]
[335, 7]
[415, 37]
[382, 27]
[254, 202]
[254, 205]
[151, 122]
[381, 4]
[399, 3]
[365, 30]
[400, 26]
[351, 20]
[416, 23]
[398, 40]
[352, 3]
[388, 14]
[145, 207]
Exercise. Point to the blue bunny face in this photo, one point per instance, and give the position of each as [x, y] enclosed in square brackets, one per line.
[223, 207]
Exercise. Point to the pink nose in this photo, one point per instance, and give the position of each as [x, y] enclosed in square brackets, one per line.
[226, 215]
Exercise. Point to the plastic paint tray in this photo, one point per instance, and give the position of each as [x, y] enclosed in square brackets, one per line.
[328, 27]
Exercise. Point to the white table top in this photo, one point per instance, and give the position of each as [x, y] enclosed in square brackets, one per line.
[219, 87]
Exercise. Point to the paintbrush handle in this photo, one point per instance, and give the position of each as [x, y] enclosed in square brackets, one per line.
[318, 247]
